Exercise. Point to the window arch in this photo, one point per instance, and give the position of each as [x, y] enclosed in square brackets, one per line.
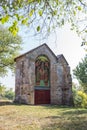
[42, 71]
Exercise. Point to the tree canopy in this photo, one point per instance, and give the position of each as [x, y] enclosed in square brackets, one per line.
[80, 73]
[9, 49]
[44, 15]
[6, 93]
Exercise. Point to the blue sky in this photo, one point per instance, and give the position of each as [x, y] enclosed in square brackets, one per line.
[65, 42]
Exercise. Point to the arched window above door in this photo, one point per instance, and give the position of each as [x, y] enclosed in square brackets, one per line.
[42, 71]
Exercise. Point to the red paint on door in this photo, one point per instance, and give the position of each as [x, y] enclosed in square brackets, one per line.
[42, 97]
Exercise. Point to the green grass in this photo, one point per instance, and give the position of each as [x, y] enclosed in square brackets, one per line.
[47, 117]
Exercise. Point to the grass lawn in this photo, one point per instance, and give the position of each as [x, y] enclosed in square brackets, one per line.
[47, 117]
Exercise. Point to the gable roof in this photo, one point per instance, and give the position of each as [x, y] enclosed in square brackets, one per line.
[35, 49]
[62, 56]
[58, 57]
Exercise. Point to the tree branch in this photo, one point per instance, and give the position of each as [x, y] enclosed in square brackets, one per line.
[84, 4]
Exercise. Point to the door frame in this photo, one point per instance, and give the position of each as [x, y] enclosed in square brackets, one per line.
[44, 92]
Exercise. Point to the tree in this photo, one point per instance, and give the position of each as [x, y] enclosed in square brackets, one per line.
[6, 94]
[2, 91]
[9, 94]
[9, 48]
[80, 73]
[45, 15]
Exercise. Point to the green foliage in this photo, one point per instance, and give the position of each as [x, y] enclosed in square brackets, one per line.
[14, 28]
[40, 12]
[47, 13]
[6, 94]
[2, 90]
[79, 8]
[9, 49]
[80, 99]
[80, 73]
[25, 21]
[84, 98]
[31, 12]
[9, 94]
[5, 19]
[38, 28]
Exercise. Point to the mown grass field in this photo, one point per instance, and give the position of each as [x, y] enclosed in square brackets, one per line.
[47, 117]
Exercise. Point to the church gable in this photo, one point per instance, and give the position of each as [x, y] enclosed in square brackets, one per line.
[41, 78]
[40, 50]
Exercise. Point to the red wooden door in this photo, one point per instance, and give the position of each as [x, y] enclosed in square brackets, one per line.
[42, 96]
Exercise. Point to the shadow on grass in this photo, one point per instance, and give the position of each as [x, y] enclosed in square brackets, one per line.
[67, 121]
[75, 111]
[67, 125]
[5, 102]
[53, 106]
[70, 118]
[8, 102]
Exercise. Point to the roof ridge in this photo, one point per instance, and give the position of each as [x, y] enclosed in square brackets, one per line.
[35, 49]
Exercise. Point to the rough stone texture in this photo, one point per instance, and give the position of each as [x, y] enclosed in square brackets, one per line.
[60, 78]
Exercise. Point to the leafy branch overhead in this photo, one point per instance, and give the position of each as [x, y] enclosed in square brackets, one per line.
[45, 15]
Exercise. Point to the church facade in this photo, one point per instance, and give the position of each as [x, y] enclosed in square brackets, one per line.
[43, 78]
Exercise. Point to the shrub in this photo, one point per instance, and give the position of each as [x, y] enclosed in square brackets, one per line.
[9, 94]
[83, 98]
[80, 99]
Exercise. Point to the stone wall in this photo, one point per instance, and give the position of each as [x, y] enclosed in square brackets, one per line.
[60, 78]
[66, 82]
[25, 74]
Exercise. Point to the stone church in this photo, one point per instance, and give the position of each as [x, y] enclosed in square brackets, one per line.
[43, 78]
